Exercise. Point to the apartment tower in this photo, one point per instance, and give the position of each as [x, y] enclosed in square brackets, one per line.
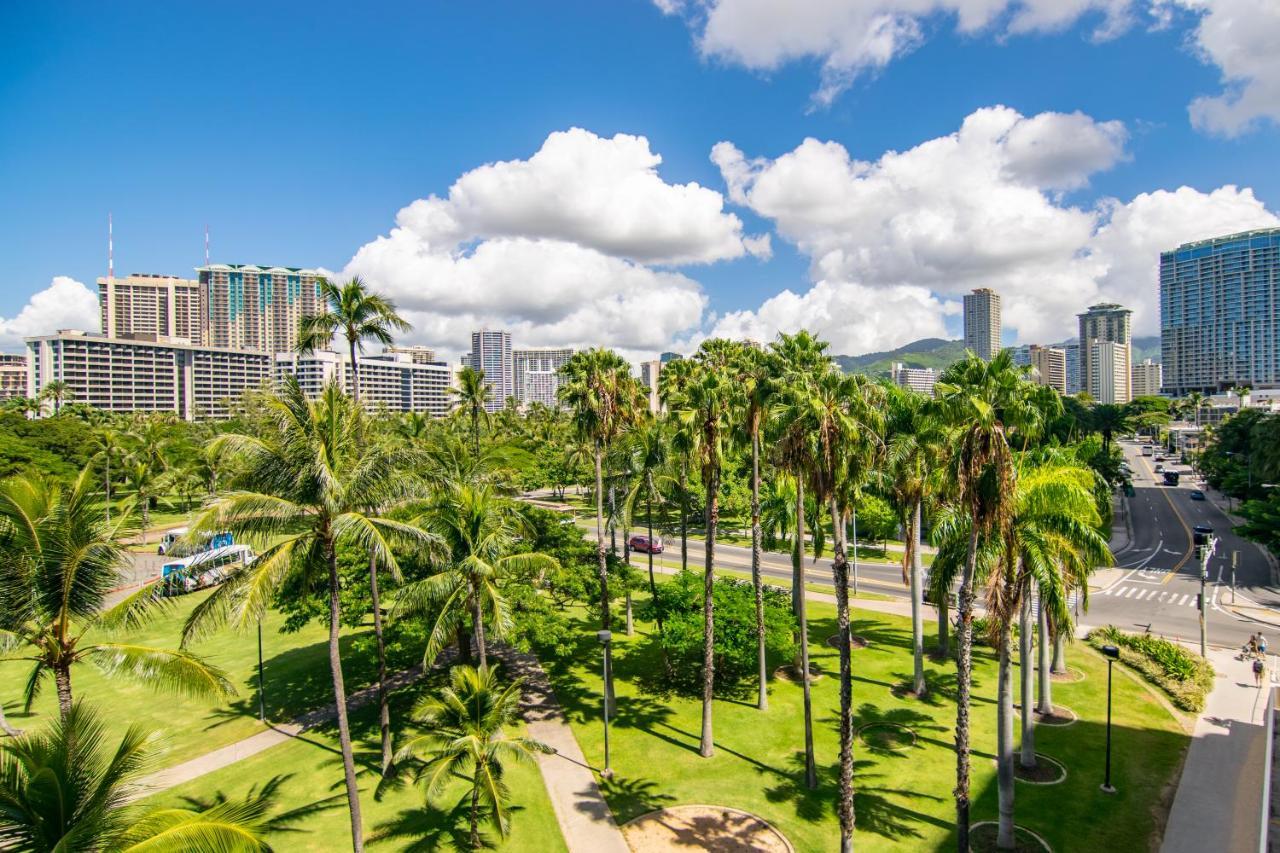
[537, 375]
[253, 308]
[1145, 379]
[141, 306]
[1049, 366]
[1105, 323]
[491, 353]
[982, 322]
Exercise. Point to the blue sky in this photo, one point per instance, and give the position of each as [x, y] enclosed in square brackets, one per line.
[297, 133]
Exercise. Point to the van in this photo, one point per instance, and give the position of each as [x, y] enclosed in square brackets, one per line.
[169, 539]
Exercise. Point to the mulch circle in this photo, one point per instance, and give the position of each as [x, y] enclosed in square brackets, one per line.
[856, 641]
[1061, 716]
[1071, 676]
[894, 737]
[982, 838]
[788, 673]
[1046, 772]
[681, 828]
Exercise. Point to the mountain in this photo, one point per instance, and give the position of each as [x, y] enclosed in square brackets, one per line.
[926, 352]
[1148, 347]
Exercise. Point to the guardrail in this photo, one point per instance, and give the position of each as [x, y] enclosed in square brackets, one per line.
[1267, 767]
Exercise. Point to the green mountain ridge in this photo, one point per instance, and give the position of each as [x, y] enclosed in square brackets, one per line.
[939, 353]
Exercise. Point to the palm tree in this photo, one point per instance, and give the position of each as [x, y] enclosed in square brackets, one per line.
[473, 396]
[58, 561]
[478, 530]
[141, 474]
[108, 443]
[467, 737]
[28, 407]
[983, 401]
[57, 392]
[65, 789]
[672, 382]
[647, 453]
[1108, 419]
[303, 489]
[356, 314]
[704, 408]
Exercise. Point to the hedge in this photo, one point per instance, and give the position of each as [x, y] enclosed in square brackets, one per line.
[1185, 676]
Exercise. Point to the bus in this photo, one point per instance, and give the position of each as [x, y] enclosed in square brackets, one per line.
[1148, 450]
[172, 543]
[206, 569]
[1171, 478]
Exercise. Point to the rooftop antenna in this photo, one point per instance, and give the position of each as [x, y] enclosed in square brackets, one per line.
[206, 244]
[111, 263]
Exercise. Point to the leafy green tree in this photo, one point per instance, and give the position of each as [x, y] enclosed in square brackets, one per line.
[468, 737]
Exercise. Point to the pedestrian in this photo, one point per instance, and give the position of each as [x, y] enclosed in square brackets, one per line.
[1258, 669]
[1253, 644]
[1262, 644]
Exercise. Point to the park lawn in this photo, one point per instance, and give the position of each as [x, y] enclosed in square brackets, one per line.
[400, 819]
[903, 798]
[297, 680]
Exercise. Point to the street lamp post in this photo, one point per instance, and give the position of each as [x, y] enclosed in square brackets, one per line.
[605, 637]
[1206, 543]
[1112, 653]
[262, 700]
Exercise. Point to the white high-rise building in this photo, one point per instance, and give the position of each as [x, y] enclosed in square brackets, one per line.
[1146, 378]
[982, 326]
[1049, 366]
[491, 353]
[1109, 372]
[1105, 323]
[147, 306]
[255, 308]
[13, 376]
[537, 375]
[919, 379]
[390, 380]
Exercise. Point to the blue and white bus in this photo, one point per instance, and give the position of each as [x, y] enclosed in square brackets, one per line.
[206, 569]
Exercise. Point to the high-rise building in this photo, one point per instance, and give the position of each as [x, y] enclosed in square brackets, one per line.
[1105, 323]
[1049, 366]
[254, 308]
[491, 353]
[649, 373]
[13, 376]
[1072, 349]
[1021, 355]
[982, 322]
[391, 380]
[919, 379]
[141, 306]
[537, 374]
[128, 375]
[1220, 313]
[670, 356]
[1109, 372]
[1145, 379]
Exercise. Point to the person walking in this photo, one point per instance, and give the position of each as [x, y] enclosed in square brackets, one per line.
[1259, 669]
[1253, 645]
[1262, 644]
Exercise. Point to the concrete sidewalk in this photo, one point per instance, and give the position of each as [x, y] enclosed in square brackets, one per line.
[1219, 795]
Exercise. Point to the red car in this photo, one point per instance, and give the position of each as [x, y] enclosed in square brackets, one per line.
[646, 546]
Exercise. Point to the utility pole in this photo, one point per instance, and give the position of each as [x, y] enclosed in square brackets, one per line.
[1235, 555]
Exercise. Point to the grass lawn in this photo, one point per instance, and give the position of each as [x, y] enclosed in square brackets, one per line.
[400, 819]
[903, 797]
[297, 676]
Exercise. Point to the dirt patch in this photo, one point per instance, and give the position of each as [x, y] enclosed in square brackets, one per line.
[684, 828]
[855, 641]
[1046, 772]
[1060, 716]
[791, 673]
[982, 838]
[1069, 677]
[893, 737]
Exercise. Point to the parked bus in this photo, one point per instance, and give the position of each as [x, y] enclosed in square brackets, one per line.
[206, 569]
[172, 544]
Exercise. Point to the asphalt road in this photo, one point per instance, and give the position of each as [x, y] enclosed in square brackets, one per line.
[1159, 591]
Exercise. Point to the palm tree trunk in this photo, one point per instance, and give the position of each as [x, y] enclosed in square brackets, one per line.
[477, 627]
[631, 628]
[475, 814]
[4, 724]
[684, 515]
[340, 699]
[1004, 742]
[146, 514]
[854, 517]
[964, 683]
[464, 646]
[355, 373]
[810, 767]
[384, 709]
[762, 700]
[603, 569]
[1045, 705]
[62, 680]
[706, 748]
[1059, 652]
[1028, 757]
[840, 575]
[944, 623]
[106, 482]
[917, 617]
[653, 586]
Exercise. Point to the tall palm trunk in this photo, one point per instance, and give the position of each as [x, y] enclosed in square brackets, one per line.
[1004, 741]
[840, 574]
[917, 617]
[384, 709]
[464, 646]
[626, 560]
[340, 699]
[944, 623]
[706, 748]
[810, 768]
[1045, 705]
[1028, 757]
[477, 626]
[62, 680]
[106, 482]
[684, 515]
[853, 515]
[475, 813]
[653, 586]
[1059, 651]
[762, 700]
[964, 683]
[603, 570]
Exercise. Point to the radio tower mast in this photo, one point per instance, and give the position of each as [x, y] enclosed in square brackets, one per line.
[206, 244]
[111, 264]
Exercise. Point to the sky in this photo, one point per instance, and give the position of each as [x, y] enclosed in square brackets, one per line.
[640, 174]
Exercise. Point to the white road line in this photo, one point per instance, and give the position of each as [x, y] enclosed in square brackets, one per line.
[1182, 601]
[1131, 591]
[1143, 594]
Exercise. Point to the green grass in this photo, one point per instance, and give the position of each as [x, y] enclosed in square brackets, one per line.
[903, 798]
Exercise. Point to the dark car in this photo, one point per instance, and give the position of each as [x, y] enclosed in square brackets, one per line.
[645, 545]
[1197, 495]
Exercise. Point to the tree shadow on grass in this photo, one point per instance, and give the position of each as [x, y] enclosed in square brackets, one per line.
[941, 687]
[630, 797]
[868, 714]
[427, 829]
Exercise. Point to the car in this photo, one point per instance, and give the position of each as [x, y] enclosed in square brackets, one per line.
[645, 545]
[1159, 468]
[1197, 495]
[1159, 458]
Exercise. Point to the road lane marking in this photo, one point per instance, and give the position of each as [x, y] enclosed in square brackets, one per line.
[1181, 520]
[1182, 601]
[1131, 591]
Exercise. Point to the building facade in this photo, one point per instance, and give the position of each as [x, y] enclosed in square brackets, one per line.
[491, 352]
[149, 306]
[128, 375]
[1105, 323]
[417, 354]
[919, 379]
[982, 326]
[1146, 379]
[1072, 349]
[1220, 313]
[253, 308]
[649, 373]
[13, 376]
[394, 381]
[1049, 366]
[537, 375]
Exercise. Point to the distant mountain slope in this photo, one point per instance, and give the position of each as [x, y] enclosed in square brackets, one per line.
[1148, 347]
[927, 352]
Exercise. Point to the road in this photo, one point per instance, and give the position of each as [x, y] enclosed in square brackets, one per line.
[1159, 591]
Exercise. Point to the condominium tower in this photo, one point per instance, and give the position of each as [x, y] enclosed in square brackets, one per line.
[1105, 323]
[1146, 378]
[982, 322]
[254, 308]
[13, 376]
[394, 381]
[1049, 366]
[649, 372]
[537, 374]
[1220, 313]
[150, 305]
[491, 353]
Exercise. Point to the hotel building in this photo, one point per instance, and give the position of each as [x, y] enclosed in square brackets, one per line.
[491, 353]
[537, 375]
[1105, 323]
[391, 380]
[982, 322]
[150, 305]
[254, 308]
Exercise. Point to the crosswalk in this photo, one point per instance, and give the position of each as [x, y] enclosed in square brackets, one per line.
[1150, 595]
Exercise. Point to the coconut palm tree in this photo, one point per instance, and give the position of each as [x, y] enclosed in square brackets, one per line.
[108, 443]
[1109, 419]
[467, 736]
[672, 382]
[478, 531]
[473, 396]
[354, 312]
[648, 455]
[303, 489]
[59, 559]
[65, 788]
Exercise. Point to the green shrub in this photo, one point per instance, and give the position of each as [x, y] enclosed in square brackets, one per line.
[1185, 676]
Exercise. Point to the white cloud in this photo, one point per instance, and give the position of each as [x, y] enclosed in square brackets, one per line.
[854, 37]
[893, 243]
[64, 304]
[1240, 37]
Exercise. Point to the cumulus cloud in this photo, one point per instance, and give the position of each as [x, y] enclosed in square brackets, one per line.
[1240, 37]
[893, 243]
[64, 304]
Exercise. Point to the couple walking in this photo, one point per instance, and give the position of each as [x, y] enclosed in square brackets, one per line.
[1258, 651]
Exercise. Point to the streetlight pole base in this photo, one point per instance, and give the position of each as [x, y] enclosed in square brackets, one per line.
[1107, 789]
[606, 774]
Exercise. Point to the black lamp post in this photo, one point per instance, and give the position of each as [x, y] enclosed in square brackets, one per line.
[605, 637]
[262, 699]
[1113, 654]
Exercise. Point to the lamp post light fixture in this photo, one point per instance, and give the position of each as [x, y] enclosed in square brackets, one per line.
[605, 638]
[1113, 654]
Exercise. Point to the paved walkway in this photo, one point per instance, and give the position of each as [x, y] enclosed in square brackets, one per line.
[1218, 802]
